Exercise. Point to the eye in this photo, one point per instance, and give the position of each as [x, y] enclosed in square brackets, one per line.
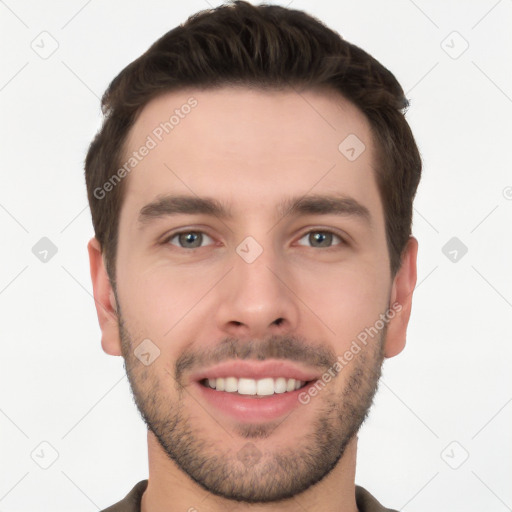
[188, 239]
[322, 239]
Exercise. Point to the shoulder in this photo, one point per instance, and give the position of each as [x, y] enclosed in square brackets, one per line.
[367, 503]
[131, 502]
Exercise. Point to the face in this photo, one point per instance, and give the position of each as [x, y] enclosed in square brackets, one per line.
[252, 260]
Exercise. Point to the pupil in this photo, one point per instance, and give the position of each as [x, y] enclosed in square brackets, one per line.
[321, 237]
[189, 239]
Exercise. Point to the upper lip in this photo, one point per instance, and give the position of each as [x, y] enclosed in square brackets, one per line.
[256, 370]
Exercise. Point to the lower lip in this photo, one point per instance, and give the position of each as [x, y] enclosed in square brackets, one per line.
[253, 409]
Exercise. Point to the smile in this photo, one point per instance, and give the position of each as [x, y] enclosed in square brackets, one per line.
[252, 391]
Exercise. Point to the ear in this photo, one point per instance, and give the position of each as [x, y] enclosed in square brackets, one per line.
[105, 301]
[401, 295]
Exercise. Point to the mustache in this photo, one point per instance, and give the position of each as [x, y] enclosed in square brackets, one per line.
[294, 348]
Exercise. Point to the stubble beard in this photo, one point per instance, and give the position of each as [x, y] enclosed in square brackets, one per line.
[250, 472]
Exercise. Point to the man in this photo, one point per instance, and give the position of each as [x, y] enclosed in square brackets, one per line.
[251, 192]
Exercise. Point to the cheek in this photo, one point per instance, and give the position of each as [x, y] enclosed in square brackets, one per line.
[345, 300]
[158, 301]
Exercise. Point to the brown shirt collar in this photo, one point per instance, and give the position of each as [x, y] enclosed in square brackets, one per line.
[131, 502]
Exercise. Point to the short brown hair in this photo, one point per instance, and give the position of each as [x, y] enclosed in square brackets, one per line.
[265, 46]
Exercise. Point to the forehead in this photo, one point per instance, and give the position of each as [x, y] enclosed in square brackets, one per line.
[249, 146]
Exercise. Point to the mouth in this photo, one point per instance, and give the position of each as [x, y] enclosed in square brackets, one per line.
[253, 391]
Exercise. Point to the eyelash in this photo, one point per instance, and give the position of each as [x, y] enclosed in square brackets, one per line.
[343, 241]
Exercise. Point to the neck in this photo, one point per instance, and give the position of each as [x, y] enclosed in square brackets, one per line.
[170, 489]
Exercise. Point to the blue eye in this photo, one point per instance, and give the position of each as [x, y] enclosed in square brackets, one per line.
[323, 238]
[188, 239]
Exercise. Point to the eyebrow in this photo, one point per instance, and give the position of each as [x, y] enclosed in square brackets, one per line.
[317, 204]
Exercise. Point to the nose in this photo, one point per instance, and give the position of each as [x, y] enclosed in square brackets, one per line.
[257, 298]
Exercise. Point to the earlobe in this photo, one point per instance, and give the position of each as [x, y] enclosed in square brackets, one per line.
[401, 300]
[104, 299]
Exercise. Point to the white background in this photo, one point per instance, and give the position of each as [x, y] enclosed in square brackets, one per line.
[452, 382]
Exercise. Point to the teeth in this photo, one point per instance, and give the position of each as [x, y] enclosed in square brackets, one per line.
[280, 385]
[247, 386]
[262, 387]
[231, 384]
[220, 384]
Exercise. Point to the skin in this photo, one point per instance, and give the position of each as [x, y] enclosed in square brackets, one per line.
[252, 149]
